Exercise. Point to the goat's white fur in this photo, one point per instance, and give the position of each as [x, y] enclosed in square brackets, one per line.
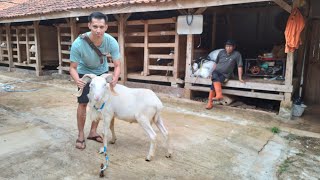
[128, 104]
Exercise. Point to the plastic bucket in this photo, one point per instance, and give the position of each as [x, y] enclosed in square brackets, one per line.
[298, 110]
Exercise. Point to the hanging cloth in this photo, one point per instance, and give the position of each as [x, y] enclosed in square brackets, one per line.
[293, 30]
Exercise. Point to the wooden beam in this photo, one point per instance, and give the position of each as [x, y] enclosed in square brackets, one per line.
[182, 11]
[164, 45]
[289, 69]
[214, 29]
[132, 8]
[201, 10]
[38, 48]
[27, 46]
[136, 45]
[176, 55]
[289, 75]
[8, 38]
[154, 78]
[248, 85]
[121, 39]
[164, 68]
[162, 56]
[18, 46]
[252, 94]
[117, 17]
[126, 16]
[189, 58]
[73, 28]
[146, 59]
[284, 5]
[59, 49]
[152, 21]
[154, 33]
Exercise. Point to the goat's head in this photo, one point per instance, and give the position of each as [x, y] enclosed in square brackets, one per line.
[99, 86]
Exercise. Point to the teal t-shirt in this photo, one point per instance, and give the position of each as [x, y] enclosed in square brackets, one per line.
[88, 60]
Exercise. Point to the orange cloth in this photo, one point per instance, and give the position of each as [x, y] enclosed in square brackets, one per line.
[293, 30]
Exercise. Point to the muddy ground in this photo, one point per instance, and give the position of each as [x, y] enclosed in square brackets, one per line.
[38, 132]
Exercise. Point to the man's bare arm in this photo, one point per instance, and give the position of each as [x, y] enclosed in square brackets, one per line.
[240, 73]
[117, 71]
[74, 74]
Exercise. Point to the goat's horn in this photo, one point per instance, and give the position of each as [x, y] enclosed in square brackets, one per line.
[86, 78]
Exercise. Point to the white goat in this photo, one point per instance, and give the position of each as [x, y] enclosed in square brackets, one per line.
[128, 104]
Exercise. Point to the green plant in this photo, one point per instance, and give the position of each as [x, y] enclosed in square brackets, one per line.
[275, 130]
[284, 166]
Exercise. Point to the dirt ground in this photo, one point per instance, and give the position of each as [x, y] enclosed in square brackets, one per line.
[38, 132]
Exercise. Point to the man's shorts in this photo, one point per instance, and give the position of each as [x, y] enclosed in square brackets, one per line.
[217, 77]
[84, 97]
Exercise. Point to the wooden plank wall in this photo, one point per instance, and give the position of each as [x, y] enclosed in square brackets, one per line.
[312, 86]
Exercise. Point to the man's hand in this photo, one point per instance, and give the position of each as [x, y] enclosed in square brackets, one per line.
[81, 84]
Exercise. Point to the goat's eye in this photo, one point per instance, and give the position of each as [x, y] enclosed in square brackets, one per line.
[90, 85]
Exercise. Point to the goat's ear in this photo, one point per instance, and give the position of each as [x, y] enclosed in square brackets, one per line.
[108, 77]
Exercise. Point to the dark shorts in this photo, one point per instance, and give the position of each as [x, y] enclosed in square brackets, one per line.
[84, 97]
[217, 77]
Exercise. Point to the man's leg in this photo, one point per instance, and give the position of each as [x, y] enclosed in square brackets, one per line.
[212, 91]
[81, 118]
[93, 132]
[217, 84]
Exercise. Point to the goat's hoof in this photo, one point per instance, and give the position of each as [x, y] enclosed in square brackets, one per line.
[101, 151]
[112, 141]
[148, 158]
[168, 155]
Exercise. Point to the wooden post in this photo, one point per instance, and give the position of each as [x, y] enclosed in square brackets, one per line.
[189, 57]
[121, 39]
[1, 32]
[9, 47]
[27, 46]
[286, 105]
[38, 49]
[18, 46]
[146, 70]
[214, 29]
[59, 49]
[176, 55]
[73, 28]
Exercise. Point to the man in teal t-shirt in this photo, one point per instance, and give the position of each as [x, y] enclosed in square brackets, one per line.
[84, 60]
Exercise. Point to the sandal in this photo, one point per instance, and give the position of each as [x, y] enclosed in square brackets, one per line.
[95, 138]
[83, 144]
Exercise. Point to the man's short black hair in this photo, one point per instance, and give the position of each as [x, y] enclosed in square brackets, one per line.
[97, 15]
[230, 42]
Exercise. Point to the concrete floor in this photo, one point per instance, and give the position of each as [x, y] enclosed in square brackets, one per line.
[38, 132]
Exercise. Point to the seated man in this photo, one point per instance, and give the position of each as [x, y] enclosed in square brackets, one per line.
[223, 69]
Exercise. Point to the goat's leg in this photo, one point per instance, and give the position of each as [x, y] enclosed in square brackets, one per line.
[165, 133]
[114, 138]
[145, 124]
[106, 126]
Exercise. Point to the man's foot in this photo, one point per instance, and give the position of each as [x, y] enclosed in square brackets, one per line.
[209, 106]
[80, 144]
[95, 137]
